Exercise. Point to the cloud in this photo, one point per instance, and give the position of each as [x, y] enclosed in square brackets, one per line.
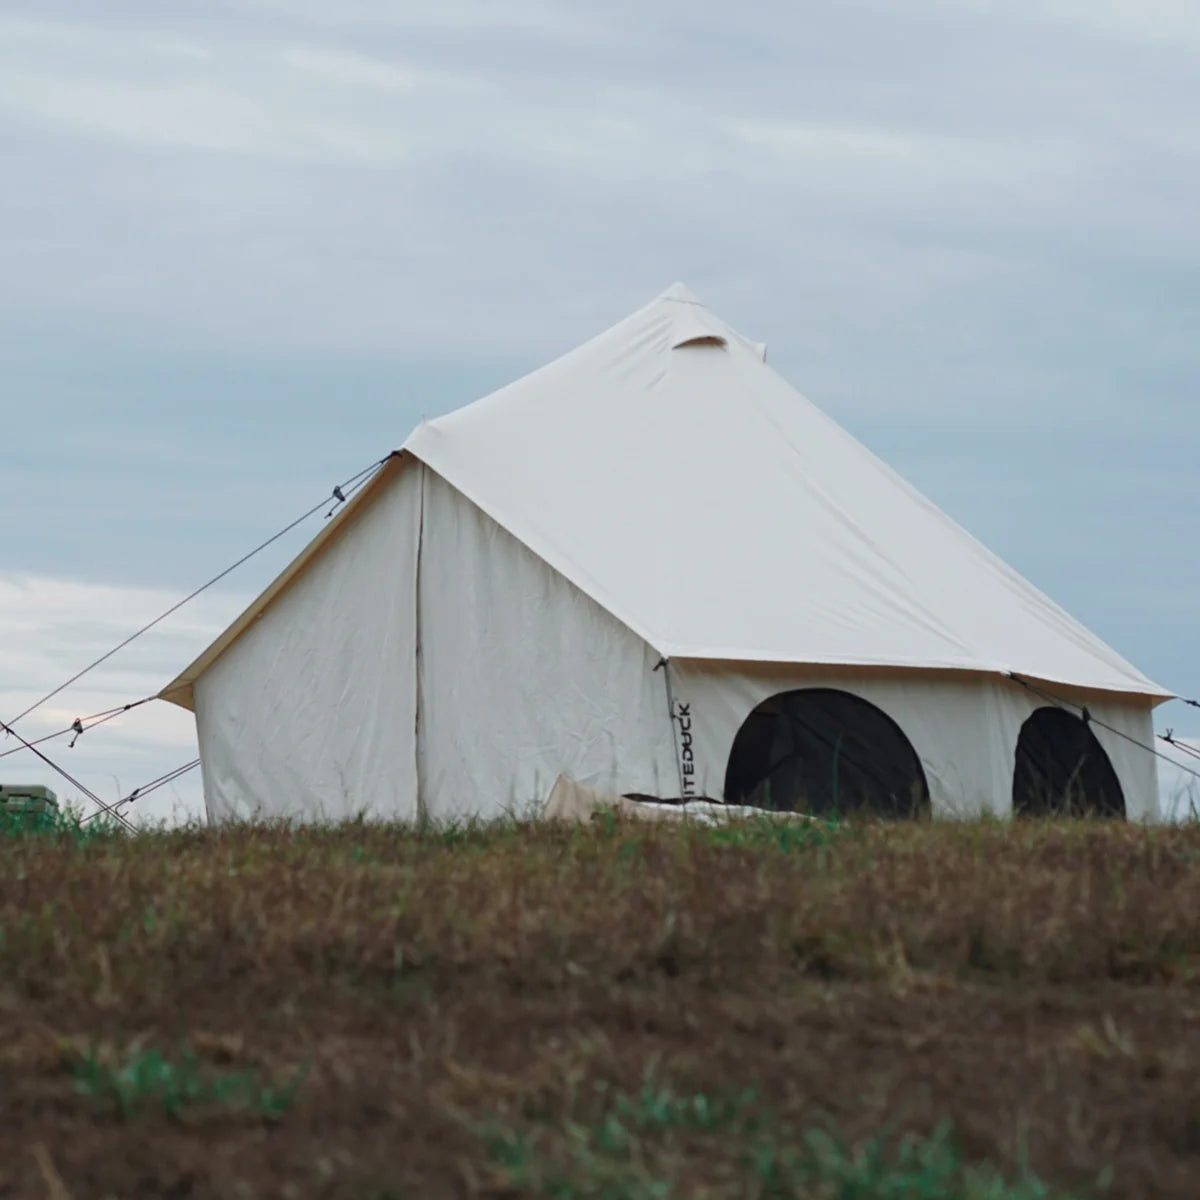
[544, 17]
[49, 629]
[209, 94]
[1156, 22]
[358, 71]
[246, 245]
[379, 179]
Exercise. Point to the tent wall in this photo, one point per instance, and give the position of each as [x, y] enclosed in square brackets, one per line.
[311, 713]
[964, 729]
[522, 676]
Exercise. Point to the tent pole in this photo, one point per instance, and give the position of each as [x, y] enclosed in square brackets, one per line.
[418, 732]
[665, 665]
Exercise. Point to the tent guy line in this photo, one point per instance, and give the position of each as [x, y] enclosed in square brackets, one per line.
[1171, 740]
[1089, 717]
[341, 493]
[339, 489]
[108, 808]
[139, 793]
[82, 725]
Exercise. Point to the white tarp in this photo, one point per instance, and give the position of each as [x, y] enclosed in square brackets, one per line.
[575, 803]
[670, 474]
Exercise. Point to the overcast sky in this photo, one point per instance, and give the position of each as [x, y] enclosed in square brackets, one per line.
[246, 244]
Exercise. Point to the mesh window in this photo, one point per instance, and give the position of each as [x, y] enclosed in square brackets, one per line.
[825, 752]
[1062, 770]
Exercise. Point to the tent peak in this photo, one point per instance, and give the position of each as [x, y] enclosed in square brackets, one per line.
[694, 324]
[682, 294]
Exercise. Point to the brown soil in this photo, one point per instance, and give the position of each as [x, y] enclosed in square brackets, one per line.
[1036, 985]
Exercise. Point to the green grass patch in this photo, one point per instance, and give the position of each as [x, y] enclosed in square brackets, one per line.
[56, 823]
[143, 1080]
[659, 1144]
[765, 833]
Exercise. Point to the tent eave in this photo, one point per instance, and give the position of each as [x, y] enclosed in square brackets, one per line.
[743, 657]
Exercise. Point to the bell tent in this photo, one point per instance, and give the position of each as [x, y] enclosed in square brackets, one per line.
[654, 567]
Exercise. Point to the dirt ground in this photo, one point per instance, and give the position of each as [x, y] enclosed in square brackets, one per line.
[1037, 986]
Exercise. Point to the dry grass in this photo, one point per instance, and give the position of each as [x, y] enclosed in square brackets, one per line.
[391, 1009]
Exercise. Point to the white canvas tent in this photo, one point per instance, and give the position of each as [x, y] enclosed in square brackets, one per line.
[602, 570]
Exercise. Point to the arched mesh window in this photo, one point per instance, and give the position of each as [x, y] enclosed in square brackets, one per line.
[824, 751]
[1062, 770]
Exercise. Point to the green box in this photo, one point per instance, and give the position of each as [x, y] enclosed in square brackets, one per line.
[26, 798]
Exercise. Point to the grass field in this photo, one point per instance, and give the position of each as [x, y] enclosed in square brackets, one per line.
[907, 1012]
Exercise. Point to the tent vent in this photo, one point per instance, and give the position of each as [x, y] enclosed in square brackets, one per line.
[701, 339]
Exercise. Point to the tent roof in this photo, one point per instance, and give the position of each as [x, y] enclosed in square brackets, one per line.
[675, 478]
